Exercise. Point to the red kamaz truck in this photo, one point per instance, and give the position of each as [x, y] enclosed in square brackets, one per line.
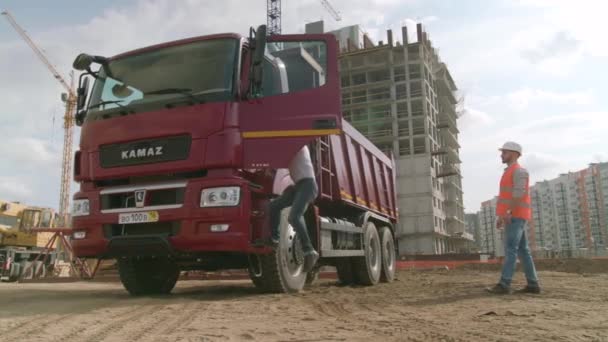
[173, 140]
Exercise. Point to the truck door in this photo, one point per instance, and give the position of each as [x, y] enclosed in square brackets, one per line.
[299, 102]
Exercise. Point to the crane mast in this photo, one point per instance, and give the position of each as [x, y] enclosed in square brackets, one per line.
[68, 124]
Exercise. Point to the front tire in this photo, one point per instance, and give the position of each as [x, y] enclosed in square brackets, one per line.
[282, 270]
[148, 276]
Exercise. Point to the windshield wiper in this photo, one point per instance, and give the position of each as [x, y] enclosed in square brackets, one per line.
[187, 92]
[116, 102]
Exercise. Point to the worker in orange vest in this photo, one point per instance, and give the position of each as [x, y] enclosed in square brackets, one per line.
[513, 212]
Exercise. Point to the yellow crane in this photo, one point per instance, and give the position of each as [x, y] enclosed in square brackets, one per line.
[69, 99]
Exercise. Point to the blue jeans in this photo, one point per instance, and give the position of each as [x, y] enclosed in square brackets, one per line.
[516, 243]
[298, 197]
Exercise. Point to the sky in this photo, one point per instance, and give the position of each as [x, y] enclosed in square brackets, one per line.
[532, 71]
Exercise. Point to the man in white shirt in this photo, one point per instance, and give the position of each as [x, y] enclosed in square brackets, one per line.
[300, 192]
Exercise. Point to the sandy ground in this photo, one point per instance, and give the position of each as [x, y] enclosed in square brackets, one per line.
[419, 306]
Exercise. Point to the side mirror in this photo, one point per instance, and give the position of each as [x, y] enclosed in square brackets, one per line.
[257, 61]
[79, 117]
[82, 92]
[83, 62]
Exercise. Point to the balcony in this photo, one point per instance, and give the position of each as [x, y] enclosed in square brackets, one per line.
[449, 138]
[448, 170]
[449, 152]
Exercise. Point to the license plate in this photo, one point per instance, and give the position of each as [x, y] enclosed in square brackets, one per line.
[140, 217]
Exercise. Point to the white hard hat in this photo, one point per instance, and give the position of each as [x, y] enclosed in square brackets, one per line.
[511, 146]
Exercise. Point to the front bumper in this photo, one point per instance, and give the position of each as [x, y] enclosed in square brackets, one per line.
[192, 235]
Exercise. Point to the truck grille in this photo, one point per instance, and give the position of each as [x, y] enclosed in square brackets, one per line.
[145, 151]
[142, 197]
[154, 198]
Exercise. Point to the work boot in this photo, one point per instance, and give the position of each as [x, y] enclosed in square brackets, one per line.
[529, 289]
[310, 260]
[499, 290]
[267, 242]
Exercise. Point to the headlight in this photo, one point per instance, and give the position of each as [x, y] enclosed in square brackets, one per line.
[80, 207]
[228, 196]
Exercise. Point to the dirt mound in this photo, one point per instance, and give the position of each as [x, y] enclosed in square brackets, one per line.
[579, 266]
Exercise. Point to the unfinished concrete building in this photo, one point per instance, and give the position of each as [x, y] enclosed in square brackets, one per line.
[402, 98]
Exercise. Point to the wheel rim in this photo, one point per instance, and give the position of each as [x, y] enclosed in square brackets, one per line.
[291, 252]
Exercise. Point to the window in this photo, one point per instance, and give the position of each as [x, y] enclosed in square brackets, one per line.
[379, 75]
[399, 74]
[359, 96]
[419, 145]
[404, 147]
[380, 93]
[359, 114]
[404, 129]
[401, 91]
[345, 81]
[402, 111]
[417, 108]
[414, 71]
[304, 63]
[415, 89]
[413, 52]
[146, 79]
[359, 79]
[418, 126]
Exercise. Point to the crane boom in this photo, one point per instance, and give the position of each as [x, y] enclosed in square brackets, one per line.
[37, 51]
[334, 13]
[70, 105]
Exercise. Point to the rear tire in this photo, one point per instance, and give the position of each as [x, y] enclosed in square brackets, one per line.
[388, 255]
[344, 269]
[282, 270]
[148, 276]
[369, 267]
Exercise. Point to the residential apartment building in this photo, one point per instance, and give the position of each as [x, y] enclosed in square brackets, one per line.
[472, 227]
[491, 240]
[569, 215]
[402, 98]
[570, 212]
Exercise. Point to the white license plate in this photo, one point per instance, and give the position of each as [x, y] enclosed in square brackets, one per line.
[140, 217]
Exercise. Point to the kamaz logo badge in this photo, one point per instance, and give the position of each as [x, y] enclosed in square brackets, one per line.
[142, 153]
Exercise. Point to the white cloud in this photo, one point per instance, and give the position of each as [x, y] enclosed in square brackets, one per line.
[474, 119]
[14, 189]
[521, 99]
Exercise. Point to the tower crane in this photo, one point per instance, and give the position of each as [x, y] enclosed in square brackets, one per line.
[69, 99]
[273, 14]
[334, 13]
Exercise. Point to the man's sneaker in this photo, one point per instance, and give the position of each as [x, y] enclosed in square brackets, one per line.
[499, 289]
[529, 289]
[267, 242]
[310, 260]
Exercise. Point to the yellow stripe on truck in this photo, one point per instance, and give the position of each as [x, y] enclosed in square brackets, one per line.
[290, 133]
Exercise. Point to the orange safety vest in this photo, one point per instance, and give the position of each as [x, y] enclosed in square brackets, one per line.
[521, 209]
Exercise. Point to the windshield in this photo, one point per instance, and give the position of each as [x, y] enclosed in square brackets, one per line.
[202, 71]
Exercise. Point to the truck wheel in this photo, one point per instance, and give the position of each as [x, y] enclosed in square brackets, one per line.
[344, 269]
[27, 270]
[388, 255]
[368, 267]
[39, 269]
[148, 276]
[282, 270]
[255, 271]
